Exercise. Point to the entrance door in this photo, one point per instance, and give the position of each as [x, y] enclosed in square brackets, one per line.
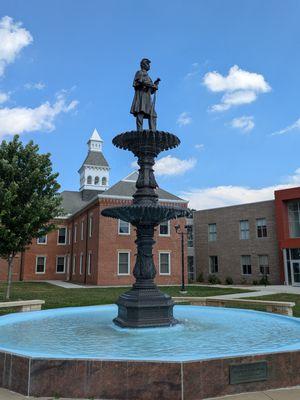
[295, 273]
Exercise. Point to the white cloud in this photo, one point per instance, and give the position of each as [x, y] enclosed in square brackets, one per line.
[199, 146]
[3, 97]
[184, 119]
[194, 71]
[293, 127]
[221, 196]
[37, 85]
[13, 38]
[19, 120]
[239, 87]
[171, 166]
[244, 123]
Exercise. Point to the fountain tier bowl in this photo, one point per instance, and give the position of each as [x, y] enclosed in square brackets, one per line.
[79, 352]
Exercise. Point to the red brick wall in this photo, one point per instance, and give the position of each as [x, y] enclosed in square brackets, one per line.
[103, 245]
[51, 250]
[111, 242]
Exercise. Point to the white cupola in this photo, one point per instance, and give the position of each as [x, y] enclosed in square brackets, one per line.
[95, 142]
[94, 172]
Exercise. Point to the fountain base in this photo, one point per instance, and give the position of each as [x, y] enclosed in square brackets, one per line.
[145, 306]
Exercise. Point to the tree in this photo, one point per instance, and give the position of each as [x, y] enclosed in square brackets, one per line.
[29, 199]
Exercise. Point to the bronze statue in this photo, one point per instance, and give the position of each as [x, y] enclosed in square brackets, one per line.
[143, 107]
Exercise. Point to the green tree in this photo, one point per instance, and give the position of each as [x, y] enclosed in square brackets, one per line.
[29, 199]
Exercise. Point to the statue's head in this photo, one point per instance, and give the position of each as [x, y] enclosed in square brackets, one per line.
[145, 64]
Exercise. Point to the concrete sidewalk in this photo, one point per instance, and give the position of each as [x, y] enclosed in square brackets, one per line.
[279, 394]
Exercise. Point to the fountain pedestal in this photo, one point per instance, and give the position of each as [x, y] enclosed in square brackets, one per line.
[144, 305]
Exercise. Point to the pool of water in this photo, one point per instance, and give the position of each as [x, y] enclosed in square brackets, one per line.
[203, 333]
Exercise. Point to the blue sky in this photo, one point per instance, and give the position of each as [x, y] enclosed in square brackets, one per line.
[230, 88]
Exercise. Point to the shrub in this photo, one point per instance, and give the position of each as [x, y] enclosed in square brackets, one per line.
[214, 280]
[255, 282]
[229, 280]
[264, 281]
[200, 277]
[244, 281]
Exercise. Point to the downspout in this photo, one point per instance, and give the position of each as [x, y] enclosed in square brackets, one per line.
[71, 253]
[86, 245]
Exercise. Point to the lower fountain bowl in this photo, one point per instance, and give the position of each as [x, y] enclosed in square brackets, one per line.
[81, 353]
[137, 214]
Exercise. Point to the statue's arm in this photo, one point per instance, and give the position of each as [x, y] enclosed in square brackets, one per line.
[141, 81]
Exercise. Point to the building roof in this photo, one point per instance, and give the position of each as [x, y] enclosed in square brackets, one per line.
[95, 158]
[73, 201]
[126, 188]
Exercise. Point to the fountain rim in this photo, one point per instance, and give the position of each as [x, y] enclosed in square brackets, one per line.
[40, 315]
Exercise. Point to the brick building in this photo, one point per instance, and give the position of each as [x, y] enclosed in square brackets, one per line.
[89, 248]
[247, 242]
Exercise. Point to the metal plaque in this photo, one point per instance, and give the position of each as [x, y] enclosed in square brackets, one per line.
[252, 372]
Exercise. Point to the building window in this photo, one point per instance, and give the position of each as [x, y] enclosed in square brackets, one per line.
[75, 233]
[89, 266]
[96, 181]
[261, 227]
[190, 236]
[62, 236]
[213, 265]
[74, 264]
[40, 264]
[123, 262]
[212, 232]
[164, 263]
[104, 181]
[42, 239]
[244, 229]
[294, 218]
[69, 236]
[60, 264]
[164, 228]
[90, 226]
[82, 230]
[124, 227]
[246, 265]
[264, 268]
[81, 264]
[89, 180]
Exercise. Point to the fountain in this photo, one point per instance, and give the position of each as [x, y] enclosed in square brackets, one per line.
[145, 305]
[78, 352]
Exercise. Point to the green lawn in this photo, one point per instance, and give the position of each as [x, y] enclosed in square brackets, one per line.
[56, 297]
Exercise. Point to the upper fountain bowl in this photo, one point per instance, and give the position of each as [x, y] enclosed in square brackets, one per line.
[146, 141]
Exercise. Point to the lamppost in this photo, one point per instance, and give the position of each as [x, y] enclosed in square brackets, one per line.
[182, 232]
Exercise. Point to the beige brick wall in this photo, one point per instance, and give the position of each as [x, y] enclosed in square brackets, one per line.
[229, 247]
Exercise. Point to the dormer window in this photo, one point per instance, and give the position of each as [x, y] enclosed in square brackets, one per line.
[104, 181]
[89, 180]
[96, 181]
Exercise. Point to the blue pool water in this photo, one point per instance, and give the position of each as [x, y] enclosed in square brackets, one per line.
[203, 333]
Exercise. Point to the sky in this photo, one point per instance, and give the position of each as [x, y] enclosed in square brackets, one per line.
[229, 88]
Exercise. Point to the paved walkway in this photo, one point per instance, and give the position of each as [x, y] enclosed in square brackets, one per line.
[255, 290]
[259, 291]
[279, 394]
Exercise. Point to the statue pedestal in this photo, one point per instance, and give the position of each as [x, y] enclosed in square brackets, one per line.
[145, 306]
